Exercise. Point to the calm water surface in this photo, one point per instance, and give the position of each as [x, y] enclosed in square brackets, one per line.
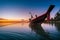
[26, 31]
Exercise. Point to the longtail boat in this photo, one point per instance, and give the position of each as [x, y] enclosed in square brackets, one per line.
[41, 18]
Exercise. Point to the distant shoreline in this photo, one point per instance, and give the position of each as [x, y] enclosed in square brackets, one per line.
[12, 21]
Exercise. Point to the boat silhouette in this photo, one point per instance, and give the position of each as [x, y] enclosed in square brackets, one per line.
[41, 18]
[37, 28]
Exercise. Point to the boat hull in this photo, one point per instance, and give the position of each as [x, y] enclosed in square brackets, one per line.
[41, 18]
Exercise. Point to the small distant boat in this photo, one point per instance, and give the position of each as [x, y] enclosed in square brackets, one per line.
[41, 18]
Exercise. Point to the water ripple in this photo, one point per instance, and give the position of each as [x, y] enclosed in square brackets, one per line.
[4, 35]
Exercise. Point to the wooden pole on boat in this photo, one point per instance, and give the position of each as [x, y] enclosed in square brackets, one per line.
[31, 15]
[48, 12]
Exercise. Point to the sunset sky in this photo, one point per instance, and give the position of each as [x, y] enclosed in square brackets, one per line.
[19, 9]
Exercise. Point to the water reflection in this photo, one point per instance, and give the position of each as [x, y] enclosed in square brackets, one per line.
[40, 31]
[57, 25]
[51, 28]
[5, 24]
[14, 31]
[26, 31]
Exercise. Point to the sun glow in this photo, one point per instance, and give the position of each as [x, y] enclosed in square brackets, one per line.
[13, 20]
